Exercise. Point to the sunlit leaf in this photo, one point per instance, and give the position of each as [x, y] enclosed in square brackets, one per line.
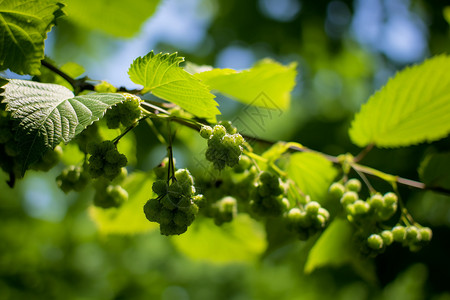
[162, 75]
[312, 173]
[128, 218]
[336, 248]
[267, 84]
[114, 17]
[49, 114]
[23, 28]
[239, 241]
[413, 107]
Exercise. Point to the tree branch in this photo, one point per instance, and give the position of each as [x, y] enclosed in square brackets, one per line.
[81, 84]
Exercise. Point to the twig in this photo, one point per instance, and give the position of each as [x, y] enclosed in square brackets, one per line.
[66, 77]
[81, 84]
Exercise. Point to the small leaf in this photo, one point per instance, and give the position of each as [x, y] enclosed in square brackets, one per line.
[23, 28]
[267, 84]
[412, 108]
[49, 114]
[241, 240]
[433, 170]
[312, 173]
[128, 218]
[161, 74]
[336, 248]
[114, 17]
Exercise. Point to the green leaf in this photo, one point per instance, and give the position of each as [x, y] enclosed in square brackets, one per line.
[433, 170]
[446, 13]
[412, 108]
[312, 173]
[114, 17]
[23, 28]
[161, 74]
[336, 248]
[49, 114]
[267, 84]
[242, 240]
[72, 69]
[128, 218]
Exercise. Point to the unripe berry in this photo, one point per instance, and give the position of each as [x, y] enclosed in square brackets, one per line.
[387, 237]
[375, 242]
[399, 233]
[152, 210]
[361, 207]
[219, 131]
[349, 198]
[205, 132]
[228, 126]
[376, 202]
[336, 190]
[426, 234]
[323, 212]
[319, 221]
[160, 187]
[166, 216]
[390, 199]
[353, 185]
[413, 234]
[312, 208]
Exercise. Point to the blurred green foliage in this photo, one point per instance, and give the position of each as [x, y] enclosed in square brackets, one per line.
[51, 249]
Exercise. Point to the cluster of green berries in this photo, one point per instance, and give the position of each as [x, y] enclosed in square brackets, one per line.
[224, 145]
[125, 113]
[90, 135]
[10, 160]
[307, 219]
[411, 236]
[73, 178]
[224, 210]
[378, 207]
[267, 196]
[110, 194]
[175, 207]
[105, 160]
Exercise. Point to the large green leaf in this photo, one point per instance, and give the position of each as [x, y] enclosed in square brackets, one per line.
[239, 241]
[411, 108]
[115, 17]
[49, 114]
[128, 218]
[433, 170]
[161, 74]
[267, 84]
[23, 28]
[336, 248]
[312, 173]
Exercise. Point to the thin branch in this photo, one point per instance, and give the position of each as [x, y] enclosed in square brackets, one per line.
[363, 153]
[81, 84]
[64, 75]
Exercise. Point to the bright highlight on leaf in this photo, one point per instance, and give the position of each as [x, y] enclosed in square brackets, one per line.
[23, 28]
[413, 107]
[312, 173]
[267, 84]
[128, 218]
[335, 248]
[114, 17]
[239, 241]
[161, 75]
[49, 114]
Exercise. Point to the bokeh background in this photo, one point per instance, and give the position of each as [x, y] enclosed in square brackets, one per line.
[50, 248]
